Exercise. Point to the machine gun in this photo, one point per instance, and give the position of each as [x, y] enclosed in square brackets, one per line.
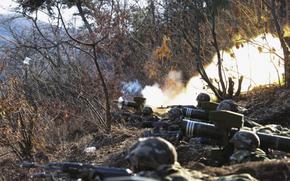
[226, 124]
[73, 170]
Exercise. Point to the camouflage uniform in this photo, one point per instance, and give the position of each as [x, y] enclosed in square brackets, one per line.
[242, 156]
[246, 144]
[273, 129]
[148, 118]
[175, 117]
[156, 158]
[172, 173]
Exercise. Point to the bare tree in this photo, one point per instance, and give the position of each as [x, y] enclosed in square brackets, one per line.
[279, 30]
[104, 23]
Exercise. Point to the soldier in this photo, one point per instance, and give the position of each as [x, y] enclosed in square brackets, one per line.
[148, 117]
[230, 105]
[202, 97]
[175, 117]
[246, 148]
[273, 129]
[156, 158]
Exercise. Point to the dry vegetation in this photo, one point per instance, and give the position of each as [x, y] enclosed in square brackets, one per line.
[112, 147]
[59, 104]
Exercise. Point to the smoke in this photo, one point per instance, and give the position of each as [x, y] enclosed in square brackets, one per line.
[173, 91]
[132, 88]
[259, 61]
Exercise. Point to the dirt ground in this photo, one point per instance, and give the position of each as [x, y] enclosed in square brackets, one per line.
[267, 105]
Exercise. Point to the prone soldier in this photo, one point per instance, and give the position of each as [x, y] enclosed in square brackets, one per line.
[231, 105]
[246, 148]
[136, 113]
[226, 124]
[156, 158]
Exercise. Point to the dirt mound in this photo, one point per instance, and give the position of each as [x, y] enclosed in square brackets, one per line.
[266, 170]
[268, 105]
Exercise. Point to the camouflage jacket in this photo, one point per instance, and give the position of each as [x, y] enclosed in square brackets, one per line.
[242, 156]
[172, 173]
[273, 129]
[178, 173]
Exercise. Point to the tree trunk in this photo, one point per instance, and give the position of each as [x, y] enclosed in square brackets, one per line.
[104, 85]
[283, 44]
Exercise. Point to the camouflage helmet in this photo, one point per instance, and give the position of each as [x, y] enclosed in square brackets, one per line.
[245, 139]
[174, 113]
[147, 110]
[150, 153]
[203, 97]
[228, 104]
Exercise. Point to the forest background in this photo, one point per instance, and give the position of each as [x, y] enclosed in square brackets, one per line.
[59, 78]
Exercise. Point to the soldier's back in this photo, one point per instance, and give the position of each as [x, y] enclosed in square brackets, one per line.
[172, 173]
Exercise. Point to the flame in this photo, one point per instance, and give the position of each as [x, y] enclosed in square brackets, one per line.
[174, 92]
[259, 60]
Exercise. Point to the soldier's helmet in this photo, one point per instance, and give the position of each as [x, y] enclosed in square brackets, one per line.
[203, 97]
[150, 153]
[174, 113]
[147, 111]
[245, 139]
[228, 104]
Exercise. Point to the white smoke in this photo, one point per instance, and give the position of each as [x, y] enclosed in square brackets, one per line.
[259, 61]
[132, 88]
[173, 92]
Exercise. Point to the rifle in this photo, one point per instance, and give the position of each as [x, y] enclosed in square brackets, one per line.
[226, 124]
[178, 106]
[164, 134]
[74, 170]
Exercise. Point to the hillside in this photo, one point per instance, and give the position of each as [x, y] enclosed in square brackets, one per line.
[60, 106]
[111, 149]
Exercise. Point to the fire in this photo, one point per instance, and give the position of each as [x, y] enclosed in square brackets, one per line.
[173, 92]
[259, 61]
